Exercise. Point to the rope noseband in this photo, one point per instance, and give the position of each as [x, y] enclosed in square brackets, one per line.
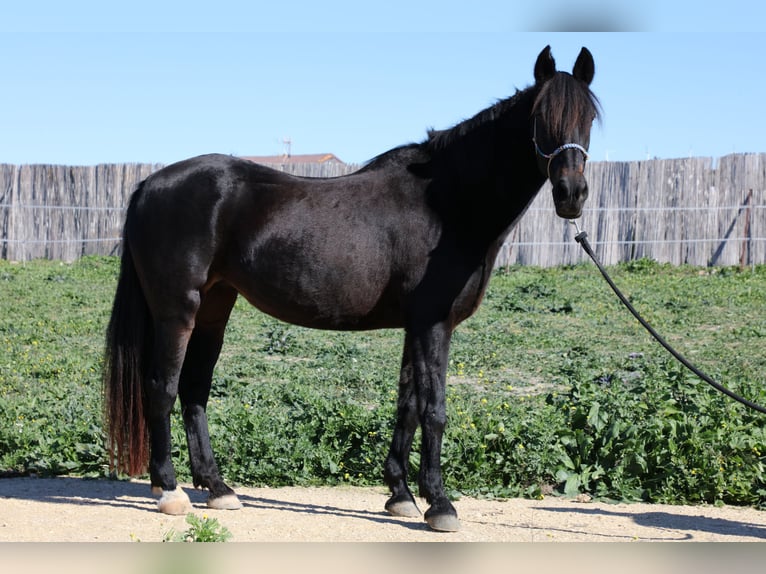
[557, 151]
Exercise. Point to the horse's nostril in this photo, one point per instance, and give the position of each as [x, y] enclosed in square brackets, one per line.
[561, 190]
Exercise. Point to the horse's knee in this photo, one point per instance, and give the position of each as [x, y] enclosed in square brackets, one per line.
[434, 420]
[160, 397]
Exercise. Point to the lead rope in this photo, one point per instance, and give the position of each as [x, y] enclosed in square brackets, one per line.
[582, 239]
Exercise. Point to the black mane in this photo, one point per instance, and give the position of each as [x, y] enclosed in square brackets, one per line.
[562, 102]
[440, 139]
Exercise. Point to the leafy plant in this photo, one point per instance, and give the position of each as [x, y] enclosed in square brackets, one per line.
[658, 436]
[203, 529]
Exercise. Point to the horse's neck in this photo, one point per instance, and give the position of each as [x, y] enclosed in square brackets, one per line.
[496, 159]
[498, 189]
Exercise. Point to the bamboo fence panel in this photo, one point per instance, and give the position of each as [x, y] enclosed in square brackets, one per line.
[682, 211]
[60, 212]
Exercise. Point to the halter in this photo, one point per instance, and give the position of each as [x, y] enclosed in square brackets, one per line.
[557, 151]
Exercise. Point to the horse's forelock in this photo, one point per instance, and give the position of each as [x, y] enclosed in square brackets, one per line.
[565, 104]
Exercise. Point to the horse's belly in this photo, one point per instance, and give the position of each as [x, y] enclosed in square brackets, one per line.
[342, 298]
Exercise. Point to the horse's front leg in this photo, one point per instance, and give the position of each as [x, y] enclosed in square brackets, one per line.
[402, 503]
[422, 399]
[430, 350]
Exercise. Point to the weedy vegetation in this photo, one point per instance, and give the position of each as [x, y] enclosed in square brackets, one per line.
[203, 529]
[553, 387]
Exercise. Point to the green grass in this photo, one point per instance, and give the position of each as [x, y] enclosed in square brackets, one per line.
[553, 387]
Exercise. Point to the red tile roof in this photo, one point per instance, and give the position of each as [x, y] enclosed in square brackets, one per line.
[293, 159]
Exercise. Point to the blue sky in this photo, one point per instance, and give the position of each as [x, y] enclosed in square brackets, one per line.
[97, 82]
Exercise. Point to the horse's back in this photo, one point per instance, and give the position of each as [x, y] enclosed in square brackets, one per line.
[338, 253]
[362, 251]
[193, 197]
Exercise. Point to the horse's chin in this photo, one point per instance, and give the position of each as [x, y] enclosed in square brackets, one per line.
[568, 211]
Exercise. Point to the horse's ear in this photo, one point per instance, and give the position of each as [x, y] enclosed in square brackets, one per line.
[584, 68]
[545, 67]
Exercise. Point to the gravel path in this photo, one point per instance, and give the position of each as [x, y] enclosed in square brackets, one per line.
[79, 510]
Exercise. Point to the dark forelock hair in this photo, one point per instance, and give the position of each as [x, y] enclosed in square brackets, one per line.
[563, 102]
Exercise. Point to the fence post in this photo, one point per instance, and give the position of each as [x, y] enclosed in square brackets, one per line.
[746, 249]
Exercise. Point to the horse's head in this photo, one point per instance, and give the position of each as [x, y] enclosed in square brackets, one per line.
[562, 116]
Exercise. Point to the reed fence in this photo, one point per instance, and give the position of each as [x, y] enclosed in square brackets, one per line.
[695, 211]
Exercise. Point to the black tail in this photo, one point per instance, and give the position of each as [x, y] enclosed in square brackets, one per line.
[127, 342]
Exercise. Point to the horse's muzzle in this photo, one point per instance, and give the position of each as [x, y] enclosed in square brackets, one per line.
[569, 195]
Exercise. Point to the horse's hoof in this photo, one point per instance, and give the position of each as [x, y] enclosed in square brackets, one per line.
[402, 508]
[225, 502]
[443, 522]
[174, 502]
[156, 491]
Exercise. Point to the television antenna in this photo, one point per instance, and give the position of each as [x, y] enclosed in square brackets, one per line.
[287, 150]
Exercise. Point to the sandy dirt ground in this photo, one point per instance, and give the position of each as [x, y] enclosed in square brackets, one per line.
[80, 510]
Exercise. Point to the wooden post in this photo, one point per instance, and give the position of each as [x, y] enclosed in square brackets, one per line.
[745, 250]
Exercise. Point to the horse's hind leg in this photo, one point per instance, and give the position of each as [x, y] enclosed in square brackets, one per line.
[194, 388]
[402, 503]
[171, 335]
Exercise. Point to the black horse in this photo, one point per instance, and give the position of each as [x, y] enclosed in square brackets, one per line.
[408, 241]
